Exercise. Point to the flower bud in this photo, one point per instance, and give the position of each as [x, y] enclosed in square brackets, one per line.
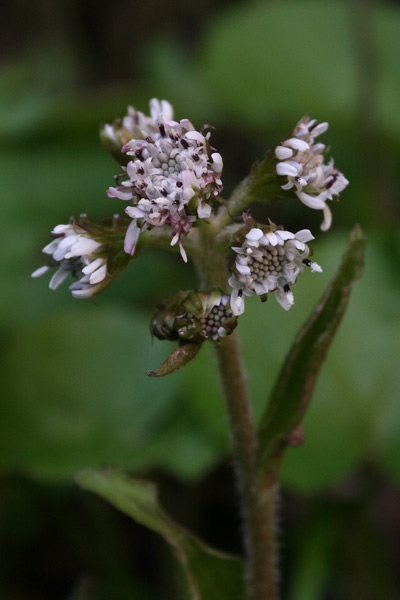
[194, 317]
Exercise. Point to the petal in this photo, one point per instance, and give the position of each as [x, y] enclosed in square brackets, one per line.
[271, 238]
[59, 276]
[119, 193]
[281, 152]
[327, 222]
[297, 144]
[254, 234]
[285, 299]
[217, 162]
[242, 269]
[319, 129]
[131, 238]
[135, 212]
[182, 251]
[196, 136]
[98, 275]
[237, 302]
[304, 235]
[311, 201]
[92, 266]
[84, 246]
[286, 168]
[40, 271]
[203, 210]
[285, 235]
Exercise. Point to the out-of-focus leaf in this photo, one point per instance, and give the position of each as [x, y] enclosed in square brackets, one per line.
[75, 393]
[207, 573]
[294, 385]
[181, 356]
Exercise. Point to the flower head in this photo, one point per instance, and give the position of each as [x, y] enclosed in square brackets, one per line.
[194, 317]
[301, 162]
[82, 250]
[171, 177]
[269, 260]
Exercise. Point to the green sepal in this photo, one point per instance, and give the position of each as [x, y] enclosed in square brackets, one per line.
[181, 356]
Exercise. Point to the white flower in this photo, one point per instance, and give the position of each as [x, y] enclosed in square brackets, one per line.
[269, 261]
[302, 163]
[75, 252]
[172, 165]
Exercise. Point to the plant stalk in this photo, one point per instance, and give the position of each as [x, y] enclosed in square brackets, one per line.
[257, 501]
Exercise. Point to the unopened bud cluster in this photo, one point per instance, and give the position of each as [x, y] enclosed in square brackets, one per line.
[194, 317]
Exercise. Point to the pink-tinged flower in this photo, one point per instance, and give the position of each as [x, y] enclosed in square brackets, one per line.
[301, 162]
[172, 177]
[269, 260]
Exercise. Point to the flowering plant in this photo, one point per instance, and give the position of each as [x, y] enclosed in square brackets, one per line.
[171, 183]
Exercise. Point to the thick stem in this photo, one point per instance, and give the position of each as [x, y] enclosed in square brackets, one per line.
[257, 502]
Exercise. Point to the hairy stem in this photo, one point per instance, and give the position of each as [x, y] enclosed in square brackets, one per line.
[257, 501]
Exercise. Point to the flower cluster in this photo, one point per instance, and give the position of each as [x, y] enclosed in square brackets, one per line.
[84, 251]
[172, 176]
[269, 260]
[194, 317]
[301, 162]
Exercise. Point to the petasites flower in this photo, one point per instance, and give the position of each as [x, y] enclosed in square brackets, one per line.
[172, 176]
[134, 125]
[93, 254]
[194, 317]
[301, 163]
[269, 260]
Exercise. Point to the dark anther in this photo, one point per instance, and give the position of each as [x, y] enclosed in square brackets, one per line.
[240, 293]
[149, 139]
[307, 262]
[57, 235]
[286, 288]
[162, 129]
[179, 184]
[331, 181]
[184, 144]
[196, 157]
[138, 153]
[140, 171]
[164, 192]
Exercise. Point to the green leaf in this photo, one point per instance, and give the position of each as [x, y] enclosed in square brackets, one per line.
[207, 573]
[295, 383]
[181, 356]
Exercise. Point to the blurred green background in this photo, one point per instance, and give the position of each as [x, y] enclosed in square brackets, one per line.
[74, 393]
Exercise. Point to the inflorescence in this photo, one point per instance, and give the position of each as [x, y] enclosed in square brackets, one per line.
[171, 182]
